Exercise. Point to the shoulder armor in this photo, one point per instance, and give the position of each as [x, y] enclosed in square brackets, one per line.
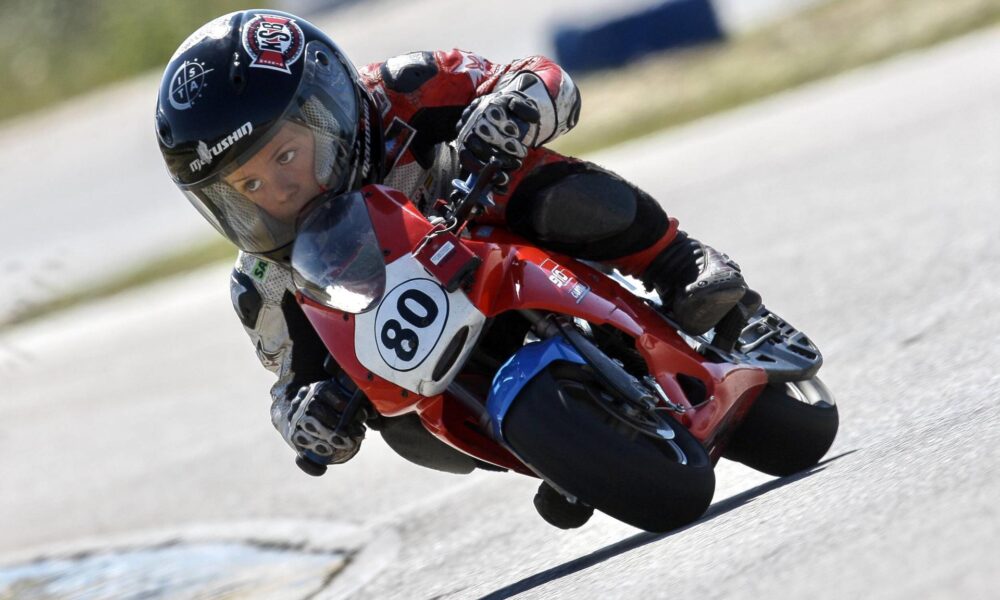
[407, 72]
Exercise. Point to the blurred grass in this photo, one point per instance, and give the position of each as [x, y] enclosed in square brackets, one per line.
[827, 39]
[656, 93]
[54, 49]
[183, 261]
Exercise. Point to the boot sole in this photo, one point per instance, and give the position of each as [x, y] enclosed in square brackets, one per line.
[696, 315]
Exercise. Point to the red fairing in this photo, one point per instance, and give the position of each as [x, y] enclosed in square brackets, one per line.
[336, 329]
[445, 418]
[452, 424]
[399, 227]
[515, 276]
[399, 224]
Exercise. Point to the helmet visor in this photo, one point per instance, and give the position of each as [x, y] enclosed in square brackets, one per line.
[256, 199]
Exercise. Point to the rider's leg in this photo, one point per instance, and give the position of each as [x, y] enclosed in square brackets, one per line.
[577, 208]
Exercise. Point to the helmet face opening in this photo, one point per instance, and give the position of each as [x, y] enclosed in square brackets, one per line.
[257, 123]
[255, 198]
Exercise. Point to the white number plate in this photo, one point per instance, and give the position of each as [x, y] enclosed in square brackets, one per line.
[409, 322]
[404, 338]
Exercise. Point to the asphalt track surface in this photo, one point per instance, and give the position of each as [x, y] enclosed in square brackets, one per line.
[865, 209]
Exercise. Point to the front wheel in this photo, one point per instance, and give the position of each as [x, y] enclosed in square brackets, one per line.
[580, 437]
[789, 428]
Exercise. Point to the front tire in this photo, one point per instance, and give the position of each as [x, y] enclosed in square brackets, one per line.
[563, 425]
[788, 429]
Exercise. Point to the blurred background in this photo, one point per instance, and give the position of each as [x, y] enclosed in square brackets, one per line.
[80, 80]
[846, 152]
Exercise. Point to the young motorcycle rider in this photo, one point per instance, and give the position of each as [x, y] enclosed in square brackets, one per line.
[259, 113]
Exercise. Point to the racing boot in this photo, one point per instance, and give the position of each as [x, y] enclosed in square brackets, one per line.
[557, 510]
[729, 328]
[698, 284]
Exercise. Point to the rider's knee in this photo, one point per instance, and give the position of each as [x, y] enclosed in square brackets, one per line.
[582, 210]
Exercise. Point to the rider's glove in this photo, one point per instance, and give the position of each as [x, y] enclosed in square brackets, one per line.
[502, 124]
[312, 420]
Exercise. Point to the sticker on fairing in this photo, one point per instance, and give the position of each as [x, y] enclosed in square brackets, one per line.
[442, 253]
[564, 279]
[273, 42]
[409, 322]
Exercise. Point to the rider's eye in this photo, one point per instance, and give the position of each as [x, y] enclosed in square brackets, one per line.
[253, 185]
[286, 157]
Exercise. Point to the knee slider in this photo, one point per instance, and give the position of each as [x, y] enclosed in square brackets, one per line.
[583, 207]
[246, 299]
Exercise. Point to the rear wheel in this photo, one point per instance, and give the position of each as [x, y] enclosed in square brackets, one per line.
[589, 444]
[789, 428]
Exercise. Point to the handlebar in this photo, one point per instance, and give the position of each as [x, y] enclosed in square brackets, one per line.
[309, 466]
[474, 191]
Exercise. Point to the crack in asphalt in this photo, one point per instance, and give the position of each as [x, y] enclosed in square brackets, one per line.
[348, 557]
[345, 555]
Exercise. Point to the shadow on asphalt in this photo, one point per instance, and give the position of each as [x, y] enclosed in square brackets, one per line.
[641, 539]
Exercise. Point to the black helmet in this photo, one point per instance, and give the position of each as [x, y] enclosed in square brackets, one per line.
[264, 79]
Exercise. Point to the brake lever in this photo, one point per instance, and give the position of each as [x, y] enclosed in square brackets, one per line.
[348, 415]
[475, 190]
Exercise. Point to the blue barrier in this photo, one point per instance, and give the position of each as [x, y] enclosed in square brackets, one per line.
[672, 24]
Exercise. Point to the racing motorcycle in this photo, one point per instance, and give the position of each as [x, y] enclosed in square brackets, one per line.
[533, 362]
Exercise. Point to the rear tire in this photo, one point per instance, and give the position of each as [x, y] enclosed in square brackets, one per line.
[561, 427]
[788, 429]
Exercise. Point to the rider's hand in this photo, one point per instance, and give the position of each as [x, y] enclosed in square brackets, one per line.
[501, 124]
[313, 418]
